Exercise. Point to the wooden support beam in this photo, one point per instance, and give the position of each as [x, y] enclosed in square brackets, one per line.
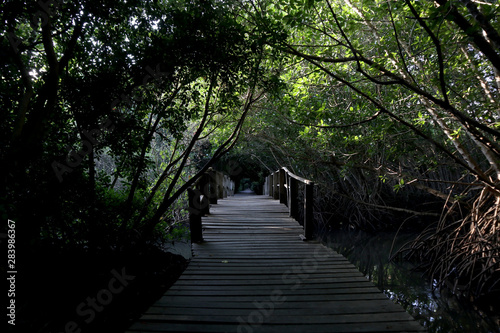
[212, 186]
[195, 213]
[293, 200]
[220, 185]
[276, 193]
[204, 187]
[226, 184]
[270, 185]
[282, 187]
[308, 210]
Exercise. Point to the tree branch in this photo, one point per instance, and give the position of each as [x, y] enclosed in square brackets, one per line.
[469, 123]
[397, 209]
[484, 46]
[483, 22]
[167, 199]
[437, 45]
[373, 117]
[405, 123]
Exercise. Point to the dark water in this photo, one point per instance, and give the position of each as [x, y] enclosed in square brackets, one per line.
[437, 311]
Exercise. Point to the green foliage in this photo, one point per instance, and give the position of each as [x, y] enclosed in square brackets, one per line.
[390, 107]
[102, 105]
[179, 233]
[377, 91]
[357, 95]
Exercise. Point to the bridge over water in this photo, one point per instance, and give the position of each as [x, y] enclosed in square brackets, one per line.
[254, 273]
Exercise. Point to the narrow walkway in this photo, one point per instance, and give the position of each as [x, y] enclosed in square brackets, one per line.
[254, 274]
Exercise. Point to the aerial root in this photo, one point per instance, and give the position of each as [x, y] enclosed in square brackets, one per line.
[463, 255]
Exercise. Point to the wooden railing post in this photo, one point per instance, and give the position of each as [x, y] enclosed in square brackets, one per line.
[212, 178]
[270, 185]
[219, 179]
[308, 210]
[293, 205]
[225, 187]
[282, 178]
[195, 213]
[284, 185]
[276, 193]
[207, 189]
[204, 187]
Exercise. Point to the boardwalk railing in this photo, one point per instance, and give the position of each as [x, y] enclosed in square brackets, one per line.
[208, 189]
[283, 185]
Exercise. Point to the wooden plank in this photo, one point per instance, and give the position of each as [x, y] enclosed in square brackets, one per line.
[400, 326]
[286, 319]
[289, 283]
[254, 274]
[239, 264]
[267, 292]
[187, 300]
[325, 287]
[242, 268]
[294, 309]
[304, 276]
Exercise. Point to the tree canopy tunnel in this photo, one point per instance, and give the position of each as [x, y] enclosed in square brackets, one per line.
[246, 171]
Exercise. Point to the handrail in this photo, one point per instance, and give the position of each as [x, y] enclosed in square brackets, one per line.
[282, 185]
[300, 179]
[210, 187]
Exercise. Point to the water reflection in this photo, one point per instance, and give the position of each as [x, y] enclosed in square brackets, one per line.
[438, 312]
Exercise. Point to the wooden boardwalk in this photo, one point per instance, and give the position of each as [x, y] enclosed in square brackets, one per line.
[254, 274]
